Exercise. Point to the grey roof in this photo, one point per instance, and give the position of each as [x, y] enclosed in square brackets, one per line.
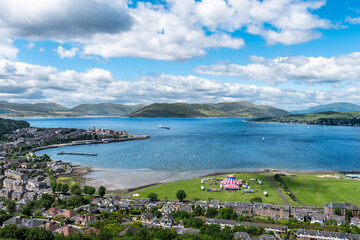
[32, 223]
[148, 216]
[221, 221]
[327, 235]
[14, 220]
[267, 237]
[242, 236]
[191, 231]
[335, 205]
[168, 216]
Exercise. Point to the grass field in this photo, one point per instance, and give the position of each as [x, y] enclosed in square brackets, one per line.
[192, 188]
[69, 180]
[314, 191]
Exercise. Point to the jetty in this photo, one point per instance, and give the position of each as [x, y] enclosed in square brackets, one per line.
[74, 153]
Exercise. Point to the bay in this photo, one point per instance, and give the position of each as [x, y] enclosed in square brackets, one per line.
[198, 146]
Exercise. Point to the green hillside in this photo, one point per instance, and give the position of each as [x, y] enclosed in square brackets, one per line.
[106, 109]
[321, 118]
[37, 107]
[231, 109]
[9, 125]
[246, 109]
[336, 107]
[178, 110]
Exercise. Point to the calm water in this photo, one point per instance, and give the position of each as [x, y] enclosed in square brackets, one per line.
[201, 145]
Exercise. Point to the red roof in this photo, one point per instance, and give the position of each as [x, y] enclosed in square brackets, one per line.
[70, 214]
[67, 230]
[53, 211]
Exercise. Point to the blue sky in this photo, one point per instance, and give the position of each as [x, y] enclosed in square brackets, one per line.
[290, 54]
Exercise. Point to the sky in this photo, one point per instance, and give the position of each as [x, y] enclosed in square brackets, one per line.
[290, 54]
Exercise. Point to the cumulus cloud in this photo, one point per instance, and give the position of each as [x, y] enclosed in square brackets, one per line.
[22, 82]
[177, 30]
[300, 69]
[63, 53]
[7, 50]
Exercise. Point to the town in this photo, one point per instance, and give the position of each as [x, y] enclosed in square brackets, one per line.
[34, 202]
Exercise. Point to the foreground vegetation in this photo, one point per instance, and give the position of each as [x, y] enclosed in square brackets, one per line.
[9, 125]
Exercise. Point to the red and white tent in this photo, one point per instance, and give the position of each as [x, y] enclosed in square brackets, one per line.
[232, 187]
[230, 180]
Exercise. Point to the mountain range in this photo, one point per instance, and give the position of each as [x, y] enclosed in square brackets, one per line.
[224, 109]
[336, 107]
[57, 110]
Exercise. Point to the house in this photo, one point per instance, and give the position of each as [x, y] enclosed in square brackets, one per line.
[52, 212]
[270, 210]
[6, 193]
[50, 226]
[202, 204]
[14, 220]
[67, 230]
[214, 204]
[276, 228]
[339, 219]
[30, 196]
[267, 237]
[185, 208]
[243, 208]
[70, 214]
[15, 175]
[330, 208]
[242, 236]
[168, 208]
[138, 205]
[90, 209]
[32, 223]
[151, 205]
[147, 217]
[318, 218]
[86, 220]
[167, 220]
[124, 205]
[355, 221]
[305, 234]
[221, 222]
[8, 183]
[17, 195]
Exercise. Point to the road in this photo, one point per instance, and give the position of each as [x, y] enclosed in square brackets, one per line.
[283, 198]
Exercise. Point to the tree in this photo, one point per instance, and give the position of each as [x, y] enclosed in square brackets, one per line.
[211, 212]
[89, 190]
[64, 188]
[76, 190]
[26, 210]
[198, 211]
[348, 215]
[337, 211]
[11, 207]
[152, 196]
[181, 195]
[53, 186]
[58, 187]
[225, 213]
[102, 191]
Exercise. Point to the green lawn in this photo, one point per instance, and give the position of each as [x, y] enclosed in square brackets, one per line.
[315, 191]
[192, 188]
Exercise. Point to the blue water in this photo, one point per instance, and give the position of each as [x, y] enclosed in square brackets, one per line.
[215, 144]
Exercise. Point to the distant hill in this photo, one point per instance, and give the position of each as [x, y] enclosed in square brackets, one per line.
[37, 107]
[106, 109]
[57, 110]
[337, 107]
[231, 109]
[9, 125]
[246, 109]
[321, 118]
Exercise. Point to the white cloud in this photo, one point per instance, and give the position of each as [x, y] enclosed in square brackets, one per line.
[7, 50]
[299, 68]
[181, 30]
[22, 82]
[354, 21]
[63, 53]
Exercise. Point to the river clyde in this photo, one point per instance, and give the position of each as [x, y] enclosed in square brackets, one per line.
[198, 146]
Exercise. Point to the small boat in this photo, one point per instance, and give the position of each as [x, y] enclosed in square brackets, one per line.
[163, 127]
[243, 131]
[263, 139]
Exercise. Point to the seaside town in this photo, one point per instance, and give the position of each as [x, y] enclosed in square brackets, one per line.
[35, 203]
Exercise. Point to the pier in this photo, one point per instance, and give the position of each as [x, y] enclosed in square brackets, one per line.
[74, 153]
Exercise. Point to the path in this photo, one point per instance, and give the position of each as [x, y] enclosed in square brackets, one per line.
[283, 198]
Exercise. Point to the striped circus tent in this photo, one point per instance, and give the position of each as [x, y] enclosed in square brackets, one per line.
[229, 180]
[232, 187]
